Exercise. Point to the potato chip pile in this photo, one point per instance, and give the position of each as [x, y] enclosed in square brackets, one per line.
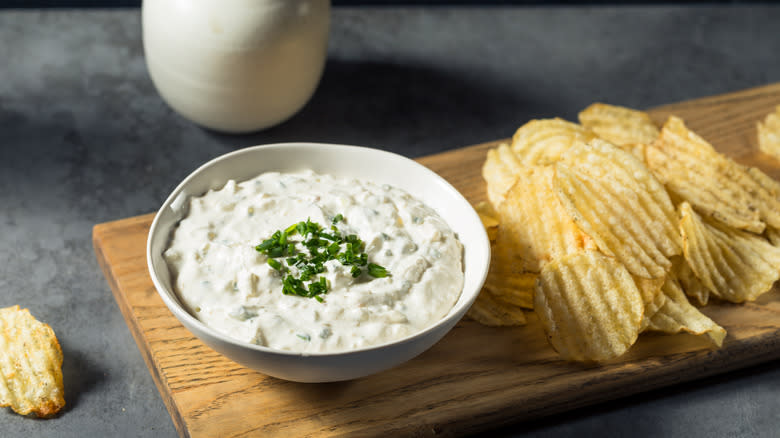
[30, 365]
[607, 228]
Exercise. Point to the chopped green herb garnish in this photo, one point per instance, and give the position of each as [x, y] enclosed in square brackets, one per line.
[376, 271]
[353, 239]
[331, 237]
[275, 264]
[276, 251]
[265, 245]
[318, 287]
[322, 247]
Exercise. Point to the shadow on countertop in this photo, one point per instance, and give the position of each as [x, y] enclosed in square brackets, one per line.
[412, 109]
[110, 147]
[79, 375]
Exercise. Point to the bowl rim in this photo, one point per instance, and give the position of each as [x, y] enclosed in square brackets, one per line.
[171, 300]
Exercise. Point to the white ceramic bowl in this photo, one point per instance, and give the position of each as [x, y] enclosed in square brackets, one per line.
[349, 161]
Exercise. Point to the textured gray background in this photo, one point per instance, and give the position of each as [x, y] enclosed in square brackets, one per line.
[84, 138]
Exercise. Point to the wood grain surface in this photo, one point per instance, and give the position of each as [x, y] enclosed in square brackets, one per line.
[476, 377]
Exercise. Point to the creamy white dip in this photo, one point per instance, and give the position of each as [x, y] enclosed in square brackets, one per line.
[227, 284]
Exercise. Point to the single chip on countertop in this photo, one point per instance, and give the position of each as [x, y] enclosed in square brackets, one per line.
[619, 125]
[769, 134]
[30, 365]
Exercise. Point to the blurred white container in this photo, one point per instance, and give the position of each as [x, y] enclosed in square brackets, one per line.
[236, 65]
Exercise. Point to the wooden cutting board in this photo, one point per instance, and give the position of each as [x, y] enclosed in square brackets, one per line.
[477, 377]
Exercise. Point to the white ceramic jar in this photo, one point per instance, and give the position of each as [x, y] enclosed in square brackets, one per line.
[236, 65]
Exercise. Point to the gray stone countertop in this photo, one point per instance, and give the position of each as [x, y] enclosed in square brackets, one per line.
[84, 139]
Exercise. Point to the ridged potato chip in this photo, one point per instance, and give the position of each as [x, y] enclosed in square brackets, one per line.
[506, 282]
[734, 265]
[541, 142]
[30, 365]
[713, 184]
[769, 195]
[534, 225]
[491, 311]
[689, 282]
[762, 189]
[773, 234]
[619, 125]
[620, 221]
[589, 306]
[769, 134]
[500, 172]
[688, 180]
[637, 150]
[652, 296]
[489, 218]
[678, 315]
[769, 184]
[622, 172]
